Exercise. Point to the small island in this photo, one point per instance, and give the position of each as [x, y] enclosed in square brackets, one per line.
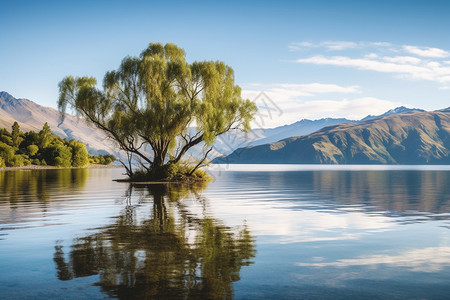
[157, 106]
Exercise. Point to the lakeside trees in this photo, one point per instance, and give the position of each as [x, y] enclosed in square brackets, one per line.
[157, 106]
[19, 149]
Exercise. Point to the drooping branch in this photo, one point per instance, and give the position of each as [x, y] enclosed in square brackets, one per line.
[200, 162]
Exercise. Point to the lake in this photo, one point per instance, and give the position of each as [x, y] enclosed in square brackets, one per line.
[256, 232]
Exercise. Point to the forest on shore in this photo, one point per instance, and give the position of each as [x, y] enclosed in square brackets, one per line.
[18, 149]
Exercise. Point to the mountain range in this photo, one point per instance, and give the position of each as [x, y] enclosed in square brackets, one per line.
[232, 140]
[32, 117]
[402, 136]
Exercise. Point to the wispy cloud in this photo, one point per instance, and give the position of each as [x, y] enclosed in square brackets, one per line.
[307, 89]
[407, 67]
[339, 45]
[336, 45]
[433, 71]
[401, 59]
[353, 109]
[293, 102]
[330, 45]
[406, 61]
[427, 51]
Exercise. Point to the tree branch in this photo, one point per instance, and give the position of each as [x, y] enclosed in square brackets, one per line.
[200, 162]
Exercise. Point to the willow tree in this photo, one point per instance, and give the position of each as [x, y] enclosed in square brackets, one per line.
[158, 106]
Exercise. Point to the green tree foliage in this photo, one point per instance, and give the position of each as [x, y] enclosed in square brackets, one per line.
[30, 138]
[7, 153]
[159, 101]
[102, 159]
[21, 160]
[5, 136]
[58, 154]
[19, 149]
[45, 136]
[15, 135]
[80, 156]
[32, 150]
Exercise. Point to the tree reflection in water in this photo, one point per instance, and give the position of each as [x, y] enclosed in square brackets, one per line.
[178, 252]
[20, 186]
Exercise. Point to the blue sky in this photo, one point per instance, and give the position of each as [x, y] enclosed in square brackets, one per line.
[313, 59]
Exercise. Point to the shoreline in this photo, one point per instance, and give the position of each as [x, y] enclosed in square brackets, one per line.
[36, 167]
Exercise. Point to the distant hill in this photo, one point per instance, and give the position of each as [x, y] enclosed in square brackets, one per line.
[412, 137]
[299, 128]
[398, 110]
[32, 116]
[230, 141]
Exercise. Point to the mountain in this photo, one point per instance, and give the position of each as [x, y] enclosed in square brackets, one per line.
[301, 127]
[413, 137]
[32, 116]
[232, 140]
[398, 110]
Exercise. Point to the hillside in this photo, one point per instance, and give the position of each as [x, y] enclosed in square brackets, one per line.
[414, 137]
[32, 116]
[232, 140]
[398, 110]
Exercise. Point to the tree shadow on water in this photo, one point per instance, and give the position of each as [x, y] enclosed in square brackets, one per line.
[21, 186]
[175, 250]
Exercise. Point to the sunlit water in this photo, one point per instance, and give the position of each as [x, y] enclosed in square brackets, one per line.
[256, 232]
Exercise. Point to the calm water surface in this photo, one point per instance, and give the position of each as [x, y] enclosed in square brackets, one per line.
[256, 232]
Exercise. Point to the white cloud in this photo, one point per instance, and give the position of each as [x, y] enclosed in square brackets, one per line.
[287, 103]
[402, 59]
[339, 45]
[319, 88]
[336, 45]
[371, 56]
[354, 109]
[426, 51]
[287, 106]
[377, 44]
[407, 67]
[431, 259]
[289, 91]
[406, 61]
[301, 45]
